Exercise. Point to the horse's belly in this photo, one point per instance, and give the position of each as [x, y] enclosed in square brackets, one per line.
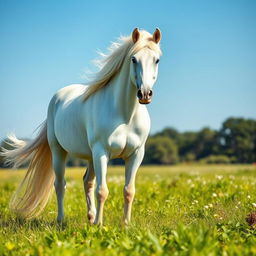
[71, 135]
[73, 143]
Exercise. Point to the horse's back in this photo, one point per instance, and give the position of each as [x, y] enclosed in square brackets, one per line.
[70, 92]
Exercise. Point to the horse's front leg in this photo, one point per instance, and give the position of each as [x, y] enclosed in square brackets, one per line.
[89, 182]
[100, 161]
[131, 166]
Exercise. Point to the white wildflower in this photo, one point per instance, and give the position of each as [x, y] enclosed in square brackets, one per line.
[195, 202]
[214, 194]
[59, 243]
[219, 177]
[189, 181]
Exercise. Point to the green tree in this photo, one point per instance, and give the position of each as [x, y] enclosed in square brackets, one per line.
[205, 143]
[237, 138]
[161, 150]
[171, 133]
[187, 145]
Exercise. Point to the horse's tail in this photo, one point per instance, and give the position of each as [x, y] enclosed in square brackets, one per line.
[33, 193]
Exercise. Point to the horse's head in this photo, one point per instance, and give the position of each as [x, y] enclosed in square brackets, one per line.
[144, 65]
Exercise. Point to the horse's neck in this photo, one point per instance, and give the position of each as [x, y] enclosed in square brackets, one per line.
[124, 94]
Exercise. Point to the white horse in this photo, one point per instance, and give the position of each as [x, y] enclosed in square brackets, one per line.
[97, 122]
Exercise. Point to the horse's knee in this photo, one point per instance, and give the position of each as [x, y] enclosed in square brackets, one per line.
[129, 193]
[89, 187]
[102, 193]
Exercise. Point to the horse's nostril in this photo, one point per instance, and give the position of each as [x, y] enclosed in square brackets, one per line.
[150, 93]
[139, 94]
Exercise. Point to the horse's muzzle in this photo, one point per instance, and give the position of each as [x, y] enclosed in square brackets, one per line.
[144, 96]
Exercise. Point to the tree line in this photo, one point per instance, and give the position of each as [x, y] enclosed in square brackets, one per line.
[234, 142]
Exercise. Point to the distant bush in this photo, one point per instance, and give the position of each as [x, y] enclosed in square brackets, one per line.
[217, 159]
[190, 157]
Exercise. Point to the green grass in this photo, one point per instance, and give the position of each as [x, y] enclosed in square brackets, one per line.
[179, 210]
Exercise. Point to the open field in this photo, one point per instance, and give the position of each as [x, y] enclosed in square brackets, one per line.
[178, 210]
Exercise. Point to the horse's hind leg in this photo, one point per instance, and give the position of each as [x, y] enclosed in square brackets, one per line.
[58, 161]
[89, 183]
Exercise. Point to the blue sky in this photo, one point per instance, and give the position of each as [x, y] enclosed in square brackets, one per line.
[207, 72]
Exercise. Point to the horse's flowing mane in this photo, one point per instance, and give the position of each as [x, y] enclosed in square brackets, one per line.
[119, 52]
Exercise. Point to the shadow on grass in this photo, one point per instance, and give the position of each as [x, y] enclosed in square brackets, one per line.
[33, 224]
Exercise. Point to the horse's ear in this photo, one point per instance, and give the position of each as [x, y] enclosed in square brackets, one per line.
[157, 36]
[135, 35]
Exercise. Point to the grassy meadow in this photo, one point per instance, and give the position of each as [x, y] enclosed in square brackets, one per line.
[178, 210]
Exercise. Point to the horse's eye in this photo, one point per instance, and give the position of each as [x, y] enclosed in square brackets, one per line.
[134, 60]
[157, 61]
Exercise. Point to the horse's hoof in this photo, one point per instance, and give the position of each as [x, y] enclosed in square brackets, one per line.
[98, 223]
[91, 218]
[60, 220]
[126, 222]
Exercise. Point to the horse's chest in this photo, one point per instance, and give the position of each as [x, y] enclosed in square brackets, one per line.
[124, 140]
